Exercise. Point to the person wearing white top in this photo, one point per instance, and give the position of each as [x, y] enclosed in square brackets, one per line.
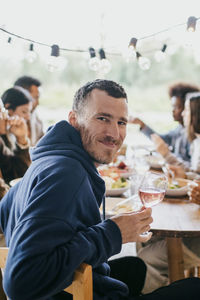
[154, 253]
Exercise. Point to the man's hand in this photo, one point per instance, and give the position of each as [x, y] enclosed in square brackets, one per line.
[132, 225]
[161, 146]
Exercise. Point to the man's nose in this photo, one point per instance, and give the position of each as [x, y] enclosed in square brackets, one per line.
[113, 130]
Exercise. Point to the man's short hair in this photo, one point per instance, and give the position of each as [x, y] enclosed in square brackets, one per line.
[112, 88]
[180, 90]
[27, 81]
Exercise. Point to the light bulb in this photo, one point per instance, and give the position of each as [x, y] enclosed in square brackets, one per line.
[105, 65]
[160, 56]
[129, 54]
[94, 63]
[55, 63]
[191, 24]
[144, 63]
[31, 54]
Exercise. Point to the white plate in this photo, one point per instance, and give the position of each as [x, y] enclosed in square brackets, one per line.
[155, 161]
[117, 192]
[127, 174]
[182, 191]
[125, 205]
[14, 181]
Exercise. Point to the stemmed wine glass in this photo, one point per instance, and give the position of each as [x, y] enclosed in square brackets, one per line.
[152, 189]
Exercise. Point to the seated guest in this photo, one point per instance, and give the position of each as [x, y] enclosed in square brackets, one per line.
[191, 117]
[35, 125]
[14, 142]
[176, 138]
[155, 252]
[51, 218]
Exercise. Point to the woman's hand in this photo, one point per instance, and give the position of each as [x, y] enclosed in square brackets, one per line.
[160, 145]
[194, 191]
[177, 170]
[19, 128]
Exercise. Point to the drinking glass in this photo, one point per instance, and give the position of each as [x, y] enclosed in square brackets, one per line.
[152, 189]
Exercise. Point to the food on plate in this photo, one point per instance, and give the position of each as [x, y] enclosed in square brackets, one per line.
[178, 188]
[115, 184]
[119, 170]
[173, 186]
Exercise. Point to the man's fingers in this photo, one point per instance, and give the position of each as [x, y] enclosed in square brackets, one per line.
[143, 238]
[145, 214]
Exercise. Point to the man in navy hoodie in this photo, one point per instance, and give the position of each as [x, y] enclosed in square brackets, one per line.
[51, 218]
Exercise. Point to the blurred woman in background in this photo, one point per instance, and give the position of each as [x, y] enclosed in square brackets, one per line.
[154, 253]
[14, 141]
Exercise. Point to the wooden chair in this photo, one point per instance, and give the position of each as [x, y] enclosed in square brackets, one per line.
[81, 287]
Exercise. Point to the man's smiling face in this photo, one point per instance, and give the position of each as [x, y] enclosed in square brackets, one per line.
[102, 125]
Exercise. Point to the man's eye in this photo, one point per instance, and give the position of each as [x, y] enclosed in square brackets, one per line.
[102, 118]
[122, 123]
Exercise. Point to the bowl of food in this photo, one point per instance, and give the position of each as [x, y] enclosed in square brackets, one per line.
[116, 187]
[178, 187]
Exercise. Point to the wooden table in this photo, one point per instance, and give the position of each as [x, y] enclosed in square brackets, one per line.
[174, 219]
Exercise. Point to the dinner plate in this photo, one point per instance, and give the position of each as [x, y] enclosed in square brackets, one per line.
[117, 191]
[126, 173]
[182, 191]
[117, 205]
[14, 181]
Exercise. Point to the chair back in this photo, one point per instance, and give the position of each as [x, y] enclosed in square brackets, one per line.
[81, 287]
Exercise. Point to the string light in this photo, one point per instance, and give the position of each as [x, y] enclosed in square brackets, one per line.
[55, 62]
[144, 62]
[191, 24]
[31, 54]
[94, 62]
[161, 54]
[105, 65]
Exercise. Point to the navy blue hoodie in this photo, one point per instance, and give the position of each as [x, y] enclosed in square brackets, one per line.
[52, 223]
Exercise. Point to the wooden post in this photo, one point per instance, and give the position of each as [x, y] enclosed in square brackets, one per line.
[175, 258]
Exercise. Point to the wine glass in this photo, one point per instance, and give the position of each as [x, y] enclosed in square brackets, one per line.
[152, 189]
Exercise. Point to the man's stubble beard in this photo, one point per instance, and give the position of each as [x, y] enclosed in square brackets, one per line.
[87, 142]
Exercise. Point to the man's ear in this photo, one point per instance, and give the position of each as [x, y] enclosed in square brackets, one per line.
[72, 117]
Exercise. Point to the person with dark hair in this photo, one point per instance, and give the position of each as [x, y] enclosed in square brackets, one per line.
[14, 141]
[51, 218]
[155, 252]
[176, 138]
[35, 124]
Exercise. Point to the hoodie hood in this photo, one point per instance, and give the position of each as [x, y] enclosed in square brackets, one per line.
[63, 139]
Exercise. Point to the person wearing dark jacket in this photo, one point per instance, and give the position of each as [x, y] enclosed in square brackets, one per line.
[51, 218]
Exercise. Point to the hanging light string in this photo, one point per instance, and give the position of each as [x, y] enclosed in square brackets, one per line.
[81, 50]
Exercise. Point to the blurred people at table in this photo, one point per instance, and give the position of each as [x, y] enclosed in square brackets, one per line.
[51, 218]
[14, 141]
[176, 138]
[191, 118]
[155, 252]
[35, 124]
